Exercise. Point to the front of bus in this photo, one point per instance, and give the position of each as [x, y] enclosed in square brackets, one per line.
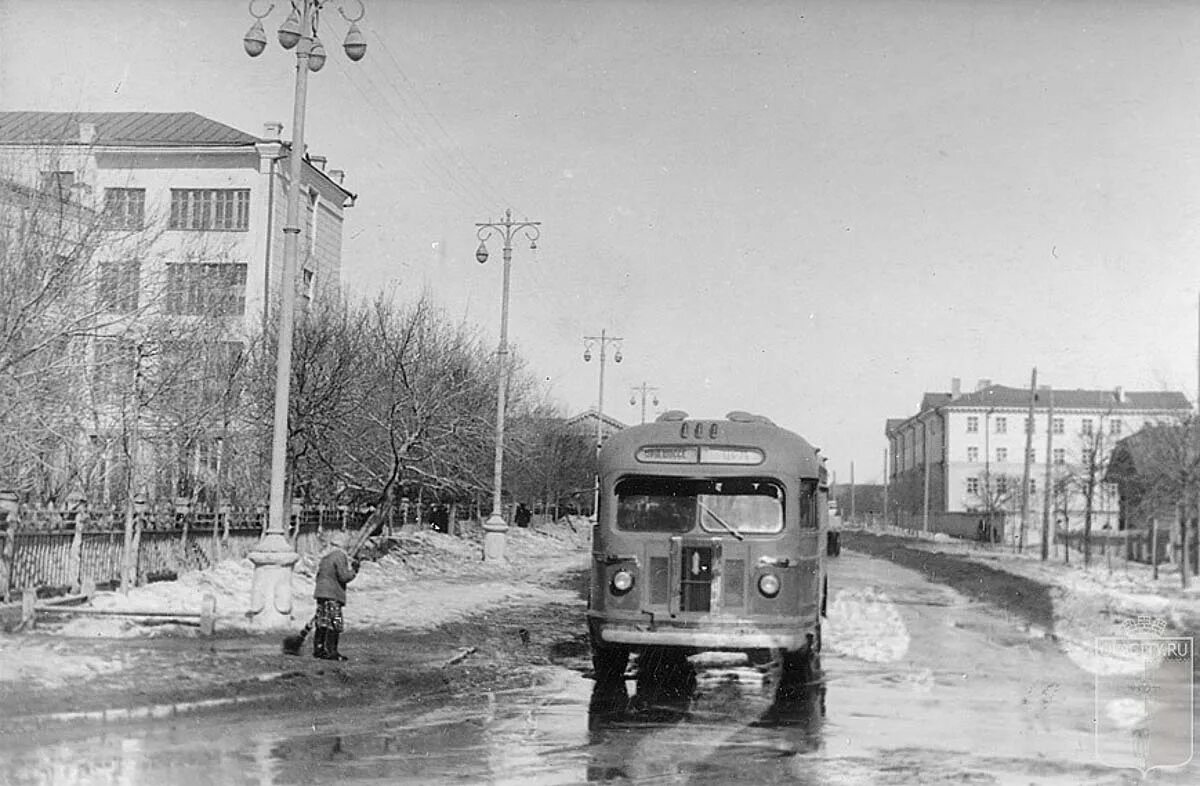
[707, 538]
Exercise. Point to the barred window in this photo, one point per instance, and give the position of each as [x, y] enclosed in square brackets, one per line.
[206, 288]
[218, 209]
[120, 284]
[1060, 456]
[972, 485]
[124, 208]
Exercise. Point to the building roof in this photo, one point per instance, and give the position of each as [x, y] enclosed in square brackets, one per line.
[591, 414]
[167, 129]
[1116, 400]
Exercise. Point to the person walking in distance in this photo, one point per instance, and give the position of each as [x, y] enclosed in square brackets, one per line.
[334, 572]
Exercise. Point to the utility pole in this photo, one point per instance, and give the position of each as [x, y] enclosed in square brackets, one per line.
[643, 389]
[1048, 492]
[925, 448]
[1028, 456]
[852, 491]
[494, 528]
[885, 486]
[604, 340]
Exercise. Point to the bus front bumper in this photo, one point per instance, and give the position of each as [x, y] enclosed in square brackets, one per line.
[741, 636]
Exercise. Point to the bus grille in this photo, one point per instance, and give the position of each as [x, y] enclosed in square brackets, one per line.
[660, 581]
[734, 581]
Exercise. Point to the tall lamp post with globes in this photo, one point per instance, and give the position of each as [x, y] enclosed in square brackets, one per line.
[273, 557]
[588, 342]
[494, 528]
[645, 390]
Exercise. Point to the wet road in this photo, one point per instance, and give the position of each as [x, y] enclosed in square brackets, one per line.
[921, 686]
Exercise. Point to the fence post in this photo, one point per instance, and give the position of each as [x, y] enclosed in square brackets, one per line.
[6, 559]
[28, 601]
[208, 615]
[1154, 546]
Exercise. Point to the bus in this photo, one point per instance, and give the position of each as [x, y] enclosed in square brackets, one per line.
[709, 536]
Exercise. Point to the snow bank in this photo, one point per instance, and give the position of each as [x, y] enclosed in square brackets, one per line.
[424, 579]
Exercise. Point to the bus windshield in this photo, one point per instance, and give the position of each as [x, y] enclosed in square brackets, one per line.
[737, 506]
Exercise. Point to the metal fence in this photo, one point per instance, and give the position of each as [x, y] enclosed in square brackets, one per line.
[54, 550]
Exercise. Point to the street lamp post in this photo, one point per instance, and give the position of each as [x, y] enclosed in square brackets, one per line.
[643, 389]
[494, 528]
[589, 341]
[273, 557]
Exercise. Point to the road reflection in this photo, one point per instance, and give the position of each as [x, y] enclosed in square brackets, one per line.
[724, 724]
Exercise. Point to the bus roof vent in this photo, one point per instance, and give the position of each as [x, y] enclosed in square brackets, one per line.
[738, 416]
[672, 414]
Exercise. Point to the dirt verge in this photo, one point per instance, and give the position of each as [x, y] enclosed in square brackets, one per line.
[1016, 595]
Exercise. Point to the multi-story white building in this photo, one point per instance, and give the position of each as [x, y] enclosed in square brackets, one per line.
[960, 459]
[187, 237]
[202, 203]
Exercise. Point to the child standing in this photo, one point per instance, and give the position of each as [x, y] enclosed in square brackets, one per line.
[334, 572]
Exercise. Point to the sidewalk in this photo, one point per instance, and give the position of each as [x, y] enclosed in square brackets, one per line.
[114, 668]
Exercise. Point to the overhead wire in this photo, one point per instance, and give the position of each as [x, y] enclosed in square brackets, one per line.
[438, 161]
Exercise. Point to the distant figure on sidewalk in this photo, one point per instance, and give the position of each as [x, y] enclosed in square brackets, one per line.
[334, 572]
[522, 515]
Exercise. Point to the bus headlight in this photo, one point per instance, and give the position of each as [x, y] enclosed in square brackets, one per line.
[768, 584]
[622, 582]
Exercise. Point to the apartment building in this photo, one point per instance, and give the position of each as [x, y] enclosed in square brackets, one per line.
[961, 458]
[186, 235]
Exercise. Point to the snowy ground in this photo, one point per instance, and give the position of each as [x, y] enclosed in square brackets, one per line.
[1088, 602]
[427, 580]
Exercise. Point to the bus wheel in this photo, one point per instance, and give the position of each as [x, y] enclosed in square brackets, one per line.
[799, 672]
[608, 664]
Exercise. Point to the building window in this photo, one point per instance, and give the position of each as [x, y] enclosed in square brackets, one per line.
[124, 208]
[1058, 426]
[1002, 485]
[1114, 426]
[1060, 456]
[1030, 427]
[1031, 454]
[1032, 486]
[1001, 425]
[1001, 455]
[120, 285]
[1086, 427]
[972, 424]
[217, 209]
[972, 454]
[57, 184]
[115, 363]
[206, 288]
[973, 486]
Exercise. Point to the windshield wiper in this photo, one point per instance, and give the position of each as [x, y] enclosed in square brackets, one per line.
[731, 530]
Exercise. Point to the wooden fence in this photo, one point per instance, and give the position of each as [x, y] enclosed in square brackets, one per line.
[55, 552]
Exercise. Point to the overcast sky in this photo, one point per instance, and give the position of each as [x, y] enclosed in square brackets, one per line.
[816, 211]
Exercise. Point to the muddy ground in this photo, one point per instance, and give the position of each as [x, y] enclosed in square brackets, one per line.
[506, 645]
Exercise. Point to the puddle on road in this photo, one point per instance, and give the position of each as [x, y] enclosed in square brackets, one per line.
[963, 700]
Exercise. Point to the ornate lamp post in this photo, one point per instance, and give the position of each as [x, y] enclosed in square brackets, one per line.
[643, 389]
[273, 557]
[603, 340]
[495, 528]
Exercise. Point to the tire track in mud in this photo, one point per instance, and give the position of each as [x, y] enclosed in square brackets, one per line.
[1017, 595]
